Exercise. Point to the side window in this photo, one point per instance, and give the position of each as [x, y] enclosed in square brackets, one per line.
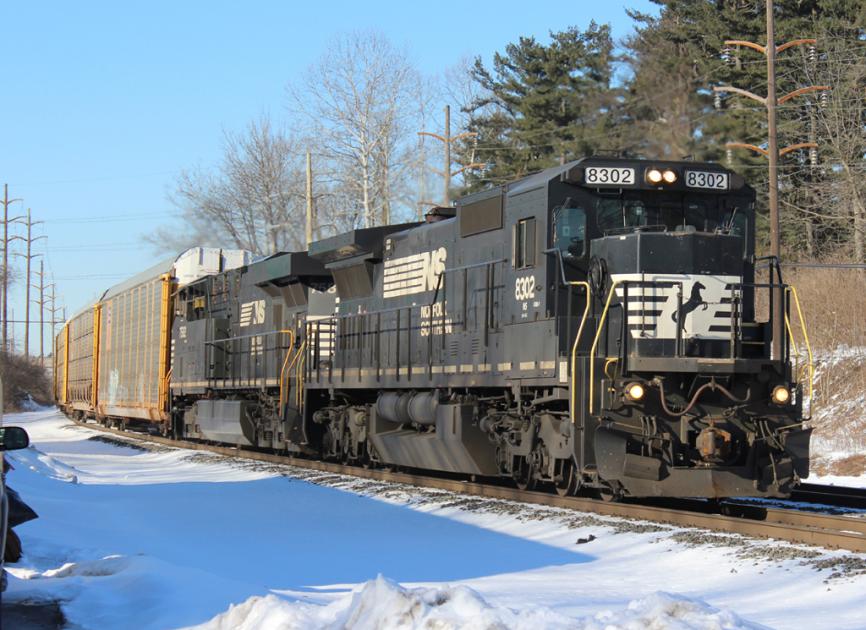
[524, 243]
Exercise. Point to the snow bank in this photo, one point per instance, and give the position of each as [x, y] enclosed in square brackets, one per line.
[385, 605]
[122, 592]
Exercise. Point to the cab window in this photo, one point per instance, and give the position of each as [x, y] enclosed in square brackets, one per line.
[569, 231]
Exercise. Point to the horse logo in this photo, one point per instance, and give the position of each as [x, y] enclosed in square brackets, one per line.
[694, 302]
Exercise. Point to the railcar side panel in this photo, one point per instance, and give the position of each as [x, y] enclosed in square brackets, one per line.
[133, 351]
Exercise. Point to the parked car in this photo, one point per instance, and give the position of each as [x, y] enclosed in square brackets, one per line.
[11, 439]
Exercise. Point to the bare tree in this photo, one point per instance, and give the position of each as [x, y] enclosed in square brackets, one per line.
[826, 196]
[253, 199]
[841, 121]
[357, 102]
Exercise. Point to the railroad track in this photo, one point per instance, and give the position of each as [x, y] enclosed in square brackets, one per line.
[830, 495]
[791, 525]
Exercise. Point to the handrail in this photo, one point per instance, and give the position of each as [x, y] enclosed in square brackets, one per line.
[573, 405]
[598, 330]
[291, 334]
[793, 291]
[392, 309]
[250, 336]
[166, 380]
[299, 375]
[475, 265]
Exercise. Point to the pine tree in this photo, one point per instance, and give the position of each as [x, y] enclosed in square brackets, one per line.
[543, 102]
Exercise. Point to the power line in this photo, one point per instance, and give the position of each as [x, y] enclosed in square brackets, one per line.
[110, 218]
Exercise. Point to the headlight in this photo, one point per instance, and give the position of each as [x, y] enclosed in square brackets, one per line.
[634, 391]
[654, 176]
[781, 395]
[669, 176]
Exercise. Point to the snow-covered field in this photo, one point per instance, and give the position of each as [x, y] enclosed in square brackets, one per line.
[167, 538]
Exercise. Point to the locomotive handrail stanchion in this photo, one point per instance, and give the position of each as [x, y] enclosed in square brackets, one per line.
[574, 346]
[379, 344]
[299, 375]
[397, 353]
[793, 291]
[680, 326]
[317, 351]
[598, 330]
[465, 299]
[626, 332]
[359, 341]
[289, 353]
[409, 343]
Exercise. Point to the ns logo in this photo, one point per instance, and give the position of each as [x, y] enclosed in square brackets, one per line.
[434, 265]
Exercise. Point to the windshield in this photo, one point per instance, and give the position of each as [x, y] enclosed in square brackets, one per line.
[668, 214]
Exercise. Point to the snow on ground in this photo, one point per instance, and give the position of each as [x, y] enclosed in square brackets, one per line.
[839, 413]
[167, 538]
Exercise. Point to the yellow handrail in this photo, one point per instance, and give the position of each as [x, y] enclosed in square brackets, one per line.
[595, 341]
[166, 381]
[287, 366]
[573, 406]
[808, 345]
[299, 376]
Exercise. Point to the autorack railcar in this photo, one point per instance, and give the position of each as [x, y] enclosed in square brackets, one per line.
[113, 358]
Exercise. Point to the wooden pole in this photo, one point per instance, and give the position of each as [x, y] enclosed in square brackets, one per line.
[5, 260]
[447, 170]
[309, 223]
[773, 184]
[42, 313]
[27, 290]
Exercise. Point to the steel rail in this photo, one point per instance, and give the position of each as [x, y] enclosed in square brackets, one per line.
[807, 528]
[839, 496]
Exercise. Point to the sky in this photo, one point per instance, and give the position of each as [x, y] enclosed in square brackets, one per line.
[104, 103]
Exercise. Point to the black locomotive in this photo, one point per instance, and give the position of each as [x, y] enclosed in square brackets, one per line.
[592, 326]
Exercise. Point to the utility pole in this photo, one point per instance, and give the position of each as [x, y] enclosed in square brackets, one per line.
[310, 214]
[53, 310]
[29, 257]
[773, 149]
[6, 221]
[447, 142]
[772, 153]
[447, 139]
[42, 301]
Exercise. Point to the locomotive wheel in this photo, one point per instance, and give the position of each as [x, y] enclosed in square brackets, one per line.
[567, 486]
[610, 493]
[525, 477]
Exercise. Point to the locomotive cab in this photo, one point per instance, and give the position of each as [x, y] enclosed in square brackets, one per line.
[675, 382]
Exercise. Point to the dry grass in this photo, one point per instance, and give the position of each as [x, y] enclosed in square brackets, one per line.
[23, 380]
[834, 307]
[852, 466]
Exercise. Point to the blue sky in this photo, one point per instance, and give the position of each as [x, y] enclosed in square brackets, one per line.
[103, 103]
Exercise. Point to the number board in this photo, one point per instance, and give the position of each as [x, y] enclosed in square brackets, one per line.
[608, 176]
[707, 179]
